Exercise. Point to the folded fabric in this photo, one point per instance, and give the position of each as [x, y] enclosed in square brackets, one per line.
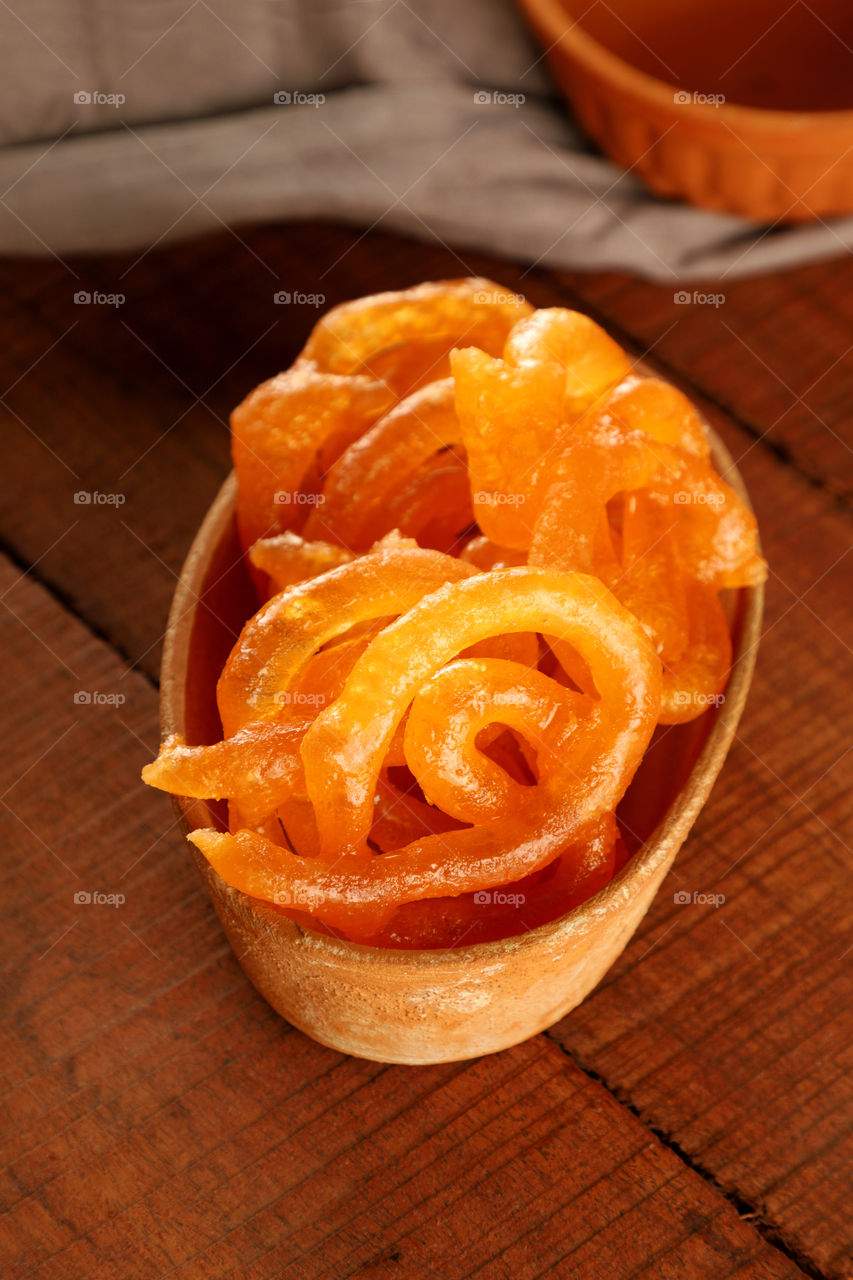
[435, 119]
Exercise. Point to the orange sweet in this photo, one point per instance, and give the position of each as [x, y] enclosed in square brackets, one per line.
[681, 535]
[515, 411]
[583, 771]
[579, 872]
[369, 490]
[276, 434]
[491, 557]
[282, 636]
[287, 559]
[404, 339]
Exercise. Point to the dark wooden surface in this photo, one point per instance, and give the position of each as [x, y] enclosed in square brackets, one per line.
[692, 1118]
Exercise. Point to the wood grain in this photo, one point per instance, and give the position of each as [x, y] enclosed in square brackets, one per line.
[725, 1030]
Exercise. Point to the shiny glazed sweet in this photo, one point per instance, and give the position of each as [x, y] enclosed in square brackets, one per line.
[490, 557]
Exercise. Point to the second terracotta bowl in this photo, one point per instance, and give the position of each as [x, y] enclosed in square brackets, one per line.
[681, 94]
[432, 1006]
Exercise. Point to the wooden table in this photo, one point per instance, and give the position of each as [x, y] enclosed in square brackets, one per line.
[692, 1118]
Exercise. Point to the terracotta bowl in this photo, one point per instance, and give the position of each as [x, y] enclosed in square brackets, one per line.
[644, 78]
[432, 1006]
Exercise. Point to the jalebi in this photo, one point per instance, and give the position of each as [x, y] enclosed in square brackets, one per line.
[490, 559]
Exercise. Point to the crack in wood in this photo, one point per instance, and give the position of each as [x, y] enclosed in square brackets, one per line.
[770, 1231]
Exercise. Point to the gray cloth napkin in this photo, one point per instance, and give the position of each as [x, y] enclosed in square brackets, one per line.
[126, 124]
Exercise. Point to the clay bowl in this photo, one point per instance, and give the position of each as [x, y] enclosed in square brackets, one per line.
[644, 78]
[432, 1006]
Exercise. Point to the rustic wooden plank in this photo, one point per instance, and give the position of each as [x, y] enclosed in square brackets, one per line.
[160, 1120]
[103, 397]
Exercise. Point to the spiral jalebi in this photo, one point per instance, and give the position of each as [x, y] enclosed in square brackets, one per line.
[490, 558]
